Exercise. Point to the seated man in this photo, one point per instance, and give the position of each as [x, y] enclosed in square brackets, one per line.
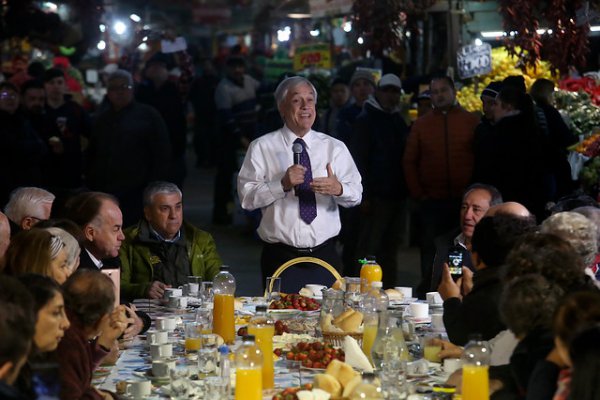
[162, 250]
[17, 327]
[27, 206]
[471, 306]
[476, 201]
[95, 325]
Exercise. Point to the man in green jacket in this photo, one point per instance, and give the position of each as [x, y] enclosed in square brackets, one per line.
[162, 250]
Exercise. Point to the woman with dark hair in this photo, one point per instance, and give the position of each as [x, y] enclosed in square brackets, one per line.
[513, 153]
[585, 363]
[51, 324]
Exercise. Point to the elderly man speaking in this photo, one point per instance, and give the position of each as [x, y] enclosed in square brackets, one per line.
[298, 177]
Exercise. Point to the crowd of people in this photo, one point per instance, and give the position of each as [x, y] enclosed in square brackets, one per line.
[88, 195]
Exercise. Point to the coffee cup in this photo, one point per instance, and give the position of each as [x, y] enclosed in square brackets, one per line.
[166, 323]
[406, 291]
[437, 322]
[434, 298]
[161, 350]
[191, 289]
[155, 336]
[161, 368]
[178, 302]
[452, 364]
[316, 289]
[172, 292]
[138, 389]
[419, 310]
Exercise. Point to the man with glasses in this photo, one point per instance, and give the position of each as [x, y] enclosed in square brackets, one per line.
[129, 147]
[27, 206]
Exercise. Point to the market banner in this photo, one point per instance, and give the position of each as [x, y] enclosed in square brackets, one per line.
[206, 14]
[312, 55]
[473, 60]
[322, 8]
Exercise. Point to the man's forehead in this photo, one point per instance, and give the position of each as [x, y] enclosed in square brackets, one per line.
[166, 199]
[478, 196]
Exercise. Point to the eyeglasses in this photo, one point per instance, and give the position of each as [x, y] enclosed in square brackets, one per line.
[8, 95]
[120, 87]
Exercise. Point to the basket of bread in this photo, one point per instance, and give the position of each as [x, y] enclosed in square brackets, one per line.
[335, 329]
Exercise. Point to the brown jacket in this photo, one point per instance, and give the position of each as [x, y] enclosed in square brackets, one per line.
[438, 160]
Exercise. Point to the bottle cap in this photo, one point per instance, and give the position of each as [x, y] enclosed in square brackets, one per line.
[371, 258]
[368, 375]
[224, 350]
[224, 268]
[248, 338]
[261, 308]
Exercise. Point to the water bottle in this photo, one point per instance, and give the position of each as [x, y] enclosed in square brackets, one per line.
[248, 370]
[476, 361]
[375, 299]
[223, 310]
[263, 329]
[369, 388]
[225, 367]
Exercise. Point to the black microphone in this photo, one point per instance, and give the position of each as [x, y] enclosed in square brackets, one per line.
[297, 150]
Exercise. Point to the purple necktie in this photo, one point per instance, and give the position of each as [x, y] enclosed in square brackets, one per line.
[306, 197]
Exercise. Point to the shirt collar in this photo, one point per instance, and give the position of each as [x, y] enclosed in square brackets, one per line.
[460, 240]
[162, 239]
[289, 137]
[97, 263]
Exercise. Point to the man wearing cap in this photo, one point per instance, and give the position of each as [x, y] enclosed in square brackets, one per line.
[438, 164]
[362, 85]
[298, 177]
[378, 144]
[481, 145]
[65, 123]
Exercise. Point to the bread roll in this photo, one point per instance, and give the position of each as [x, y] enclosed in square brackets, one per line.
[352, 322]
[329, 384]
[343, 316]
[351, 385]
[337, 285]
[393, 294]
[306, 292]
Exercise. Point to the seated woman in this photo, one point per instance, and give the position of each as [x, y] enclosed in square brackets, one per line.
[71, 246]
[50, 327]
[40, 252]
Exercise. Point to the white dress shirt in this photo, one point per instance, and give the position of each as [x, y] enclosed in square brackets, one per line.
[259, 186]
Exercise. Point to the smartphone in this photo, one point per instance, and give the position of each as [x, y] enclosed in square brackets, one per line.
[455, 262]
[45, 380]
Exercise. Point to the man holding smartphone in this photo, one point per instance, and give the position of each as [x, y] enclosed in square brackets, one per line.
[455, 246]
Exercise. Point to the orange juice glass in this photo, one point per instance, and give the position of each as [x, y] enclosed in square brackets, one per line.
[475, 382]
[264, 339]
[248, 384]
[223, 317]
[369, 335]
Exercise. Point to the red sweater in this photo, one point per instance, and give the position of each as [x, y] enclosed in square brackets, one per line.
[78, 358]
[438, 160]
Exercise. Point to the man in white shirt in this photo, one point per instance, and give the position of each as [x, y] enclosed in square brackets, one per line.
[298, 194]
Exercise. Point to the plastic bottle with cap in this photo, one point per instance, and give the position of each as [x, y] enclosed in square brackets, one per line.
[263, 329]
[225, 367]
[476, 361]
[223, 309]
[248, 370]
[369, 272]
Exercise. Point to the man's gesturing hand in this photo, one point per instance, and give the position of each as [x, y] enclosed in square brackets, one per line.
[328, 185]
[293, 176]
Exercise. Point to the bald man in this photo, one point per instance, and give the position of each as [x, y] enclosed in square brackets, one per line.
[4, 237]
[510, 208]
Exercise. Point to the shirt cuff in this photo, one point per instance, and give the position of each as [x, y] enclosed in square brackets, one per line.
[276, 189]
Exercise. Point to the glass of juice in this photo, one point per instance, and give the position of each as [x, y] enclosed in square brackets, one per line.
[431, 348]
[193, 340]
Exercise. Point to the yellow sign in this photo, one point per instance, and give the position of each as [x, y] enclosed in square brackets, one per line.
[312, 55]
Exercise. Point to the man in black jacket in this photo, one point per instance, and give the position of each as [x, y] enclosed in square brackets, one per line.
[378, 144]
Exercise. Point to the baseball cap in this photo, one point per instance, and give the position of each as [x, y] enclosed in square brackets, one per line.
[390, 80]
[362, 74]
[492, 89]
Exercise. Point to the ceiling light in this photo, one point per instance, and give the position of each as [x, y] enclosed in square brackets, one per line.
[101, 45]
[135, 18]
[120, 27]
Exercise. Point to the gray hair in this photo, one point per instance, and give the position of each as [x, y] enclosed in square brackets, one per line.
[56, 245]
[70, 243]
[579, 231]
[25, 201]
[288, 83]
[120, 74]
[159, 187]
[496, 197]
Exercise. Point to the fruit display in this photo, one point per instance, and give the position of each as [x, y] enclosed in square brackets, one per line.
[290, 393]
[584, 115]
[590, 146]
[590, 176]
[503, 65]
[312, 355]
[295, 302]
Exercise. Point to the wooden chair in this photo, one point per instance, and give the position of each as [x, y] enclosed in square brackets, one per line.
[304, 260]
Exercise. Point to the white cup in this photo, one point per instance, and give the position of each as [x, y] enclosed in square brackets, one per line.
[165, 323]
[138, 389]
[161, 350]
[406, 291]
[178, 302]
[161, 368]
[452, 364]
[419, 310]
[154, 336]
[172, 292]
[316, 289]
[434, 298]
[437, 322]
[192, 288]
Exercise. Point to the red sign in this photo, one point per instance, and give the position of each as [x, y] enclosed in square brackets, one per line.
[211, 14]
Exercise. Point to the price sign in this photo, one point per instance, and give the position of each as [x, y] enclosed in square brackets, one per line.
[474, 60]
[312, 55]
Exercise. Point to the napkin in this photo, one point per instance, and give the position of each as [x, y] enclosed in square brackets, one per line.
[355, 356]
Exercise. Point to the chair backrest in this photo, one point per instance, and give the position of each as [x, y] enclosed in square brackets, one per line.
[300, 260]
